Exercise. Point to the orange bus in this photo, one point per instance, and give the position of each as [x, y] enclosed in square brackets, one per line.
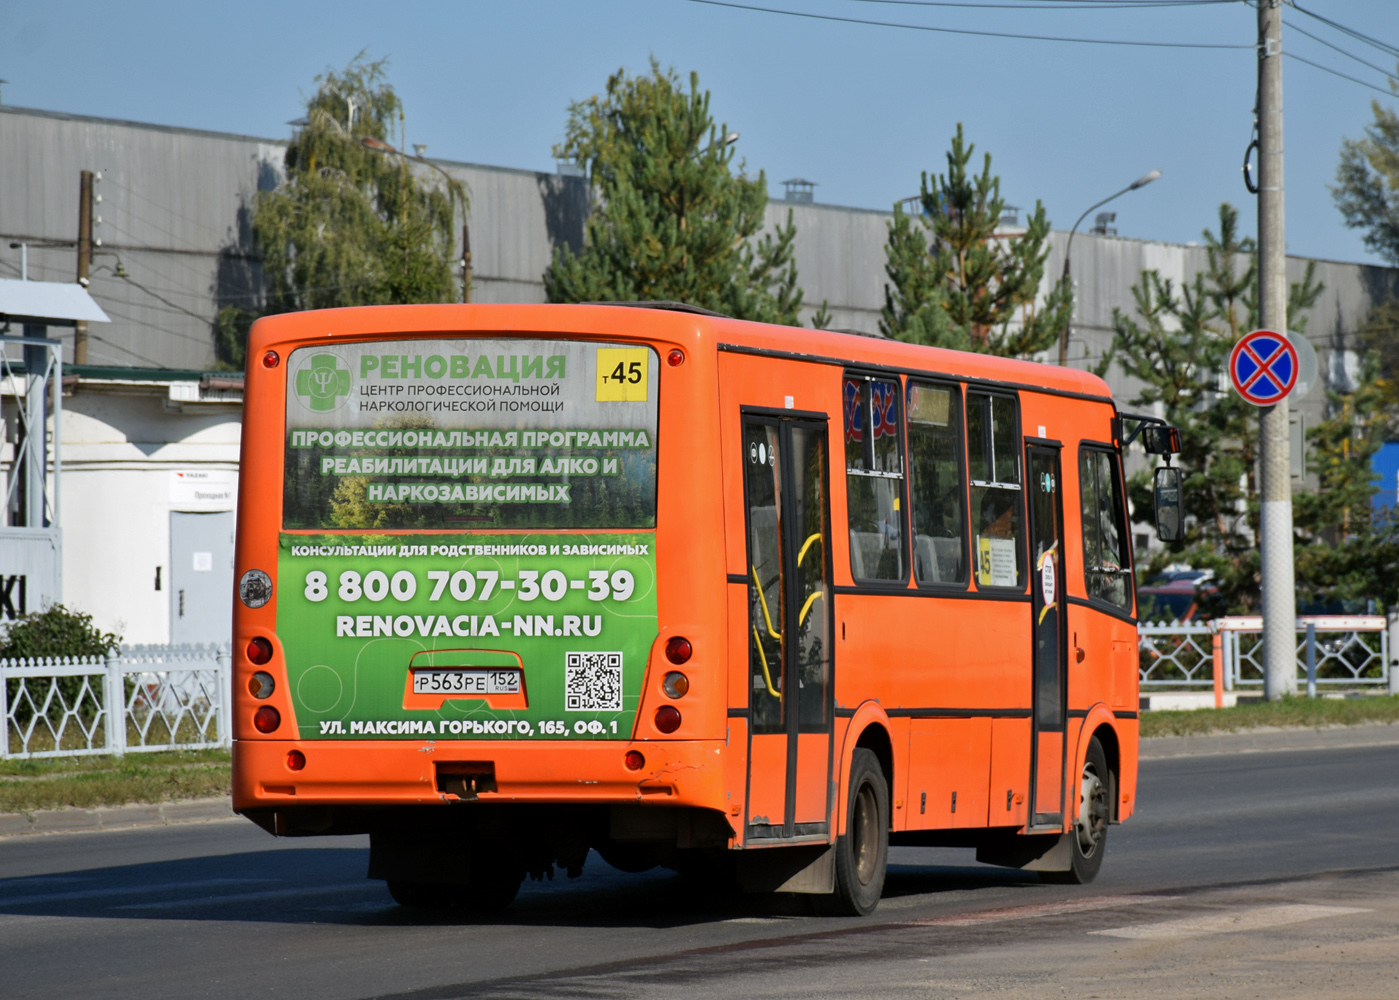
[521, 582]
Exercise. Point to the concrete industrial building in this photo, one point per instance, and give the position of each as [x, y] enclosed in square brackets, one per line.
[151, 432]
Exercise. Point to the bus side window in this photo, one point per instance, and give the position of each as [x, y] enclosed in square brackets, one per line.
[874, 479]
[1107, 565]
[936, 504]
[994, 463]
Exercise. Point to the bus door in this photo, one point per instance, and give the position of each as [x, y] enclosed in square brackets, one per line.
[789, 627]
[1048, 738]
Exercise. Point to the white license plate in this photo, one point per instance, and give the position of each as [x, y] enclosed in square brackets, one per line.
[466, 682]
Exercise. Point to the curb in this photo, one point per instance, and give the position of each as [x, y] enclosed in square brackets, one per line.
[1261, 740]
[1266, 739]
[115, 817]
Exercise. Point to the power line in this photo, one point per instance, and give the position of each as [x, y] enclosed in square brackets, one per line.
[1359, 36]
[1348, 55]
[1336, 72]
[969, 31]
[1052, 5]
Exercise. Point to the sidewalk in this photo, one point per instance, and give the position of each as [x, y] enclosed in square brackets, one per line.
[115, 817]
[1260, 740]
[1269, 738]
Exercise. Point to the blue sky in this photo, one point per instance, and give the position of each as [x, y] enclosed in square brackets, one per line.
[860, 109]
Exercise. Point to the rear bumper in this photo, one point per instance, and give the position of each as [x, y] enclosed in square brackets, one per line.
[396, 773]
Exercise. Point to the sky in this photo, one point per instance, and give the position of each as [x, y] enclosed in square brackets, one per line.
[860, 109]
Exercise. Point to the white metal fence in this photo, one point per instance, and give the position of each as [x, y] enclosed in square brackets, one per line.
[140, 699]
[1332, 651]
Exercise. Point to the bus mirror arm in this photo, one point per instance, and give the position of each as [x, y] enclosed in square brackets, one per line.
[1158, 437]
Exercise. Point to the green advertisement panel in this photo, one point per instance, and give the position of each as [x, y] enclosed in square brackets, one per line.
[466, 636]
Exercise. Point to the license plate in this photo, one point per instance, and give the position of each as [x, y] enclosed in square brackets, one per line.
[466, 682]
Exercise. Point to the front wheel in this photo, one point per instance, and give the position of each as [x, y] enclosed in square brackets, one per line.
[862, 853]
[1089, 836]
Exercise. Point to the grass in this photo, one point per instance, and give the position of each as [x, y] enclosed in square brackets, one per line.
[1309, 713]
[27, 784]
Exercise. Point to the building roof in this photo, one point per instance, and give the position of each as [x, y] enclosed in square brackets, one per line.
[48, 303]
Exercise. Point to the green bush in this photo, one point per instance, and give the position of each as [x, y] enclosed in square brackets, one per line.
[57, 631]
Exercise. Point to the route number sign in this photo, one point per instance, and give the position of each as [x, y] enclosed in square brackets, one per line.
[1263, 367]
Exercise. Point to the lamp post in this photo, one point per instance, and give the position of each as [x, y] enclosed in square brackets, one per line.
[453, 186]
[1141, 181]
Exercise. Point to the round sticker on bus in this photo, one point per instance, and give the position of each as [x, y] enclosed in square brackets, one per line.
[1047, 578]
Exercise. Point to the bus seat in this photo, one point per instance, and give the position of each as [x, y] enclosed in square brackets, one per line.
[866, 548]
[949, 552]
[925, 560]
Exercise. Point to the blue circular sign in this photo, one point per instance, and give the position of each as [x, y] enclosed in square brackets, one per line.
[1263, 367]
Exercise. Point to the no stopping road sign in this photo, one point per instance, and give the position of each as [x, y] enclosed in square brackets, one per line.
[1263, 367]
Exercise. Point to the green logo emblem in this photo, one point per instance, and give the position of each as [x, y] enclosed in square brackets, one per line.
[323, 384]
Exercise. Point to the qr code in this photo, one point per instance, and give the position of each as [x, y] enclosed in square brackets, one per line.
[593, 682]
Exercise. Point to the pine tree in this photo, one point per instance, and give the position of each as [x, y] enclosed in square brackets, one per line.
[350, 226]
[955, 282]
[1367, 182]
[671, 222]
[1178, 348]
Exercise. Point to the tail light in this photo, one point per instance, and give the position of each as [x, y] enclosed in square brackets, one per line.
[678, 650]
[675, 684]
[296, 760]
[266, 719]
[259, 651]
[634, 760]
[667, 718]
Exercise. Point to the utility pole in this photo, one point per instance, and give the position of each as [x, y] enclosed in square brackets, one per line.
[84, 260]
[1279, 586]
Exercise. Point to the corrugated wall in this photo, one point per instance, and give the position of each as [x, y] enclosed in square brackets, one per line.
[176, 209]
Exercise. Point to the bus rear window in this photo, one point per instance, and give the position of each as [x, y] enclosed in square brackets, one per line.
[471, 435]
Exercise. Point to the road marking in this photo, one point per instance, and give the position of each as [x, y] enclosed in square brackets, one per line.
[248, 897]
[123, 890]
[1231, 922]
[1036, 910]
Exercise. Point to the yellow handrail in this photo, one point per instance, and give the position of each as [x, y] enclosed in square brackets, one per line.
[767, 618]
[807, 606]
[806, 545]
[762, 657]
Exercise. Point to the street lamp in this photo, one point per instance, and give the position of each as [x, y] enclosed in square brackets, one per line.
[453, 188]
[1141, 181]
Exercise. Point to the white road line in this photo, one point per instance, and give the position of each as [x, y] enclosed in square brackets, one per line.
[1230, 922]
[248, 897]
[1036, 910]
[124, 890]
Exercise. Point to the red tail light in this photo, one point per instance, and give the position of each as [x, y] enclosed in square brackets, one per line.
[270, 360]
[678, 650]
[667, 718]
[266, 719]
[296, 760]
[634, 760]
[259, 650]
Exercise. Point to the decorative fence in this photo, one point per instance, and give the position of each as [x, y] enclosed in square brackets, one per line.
[142, 698]
[1332, 651]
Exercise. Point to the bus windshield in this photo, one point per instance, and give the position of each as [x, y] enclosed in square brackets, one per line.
[470, 435]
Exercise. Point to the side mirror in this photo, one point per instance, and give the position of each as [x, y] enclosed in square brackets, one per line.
[1170, 515]
[1159, 439]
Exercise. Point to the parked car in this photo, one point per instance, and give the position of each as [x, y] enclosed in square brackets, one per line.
[1174, 595]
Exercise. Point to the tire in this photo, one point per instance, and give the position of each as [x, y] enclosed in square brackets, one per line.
[1088, 840]
[421, 895]
[489, 893]
[862, 853]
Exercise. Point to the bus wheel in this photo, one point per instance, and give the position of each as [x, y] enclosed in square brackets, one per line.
[421, 895]
[1089, 837]
[862, 854]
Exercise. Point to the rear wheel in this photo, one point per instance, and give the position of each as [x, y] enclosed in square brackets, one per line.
[862, 853]
[1089, 836]
[487, 892]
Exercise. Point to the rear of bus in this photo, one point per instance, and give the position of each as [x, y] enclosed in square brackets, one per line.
[452, 629]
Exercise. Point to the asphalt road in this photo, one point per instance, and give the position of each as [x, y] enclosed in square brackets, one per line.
[1263, 874]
